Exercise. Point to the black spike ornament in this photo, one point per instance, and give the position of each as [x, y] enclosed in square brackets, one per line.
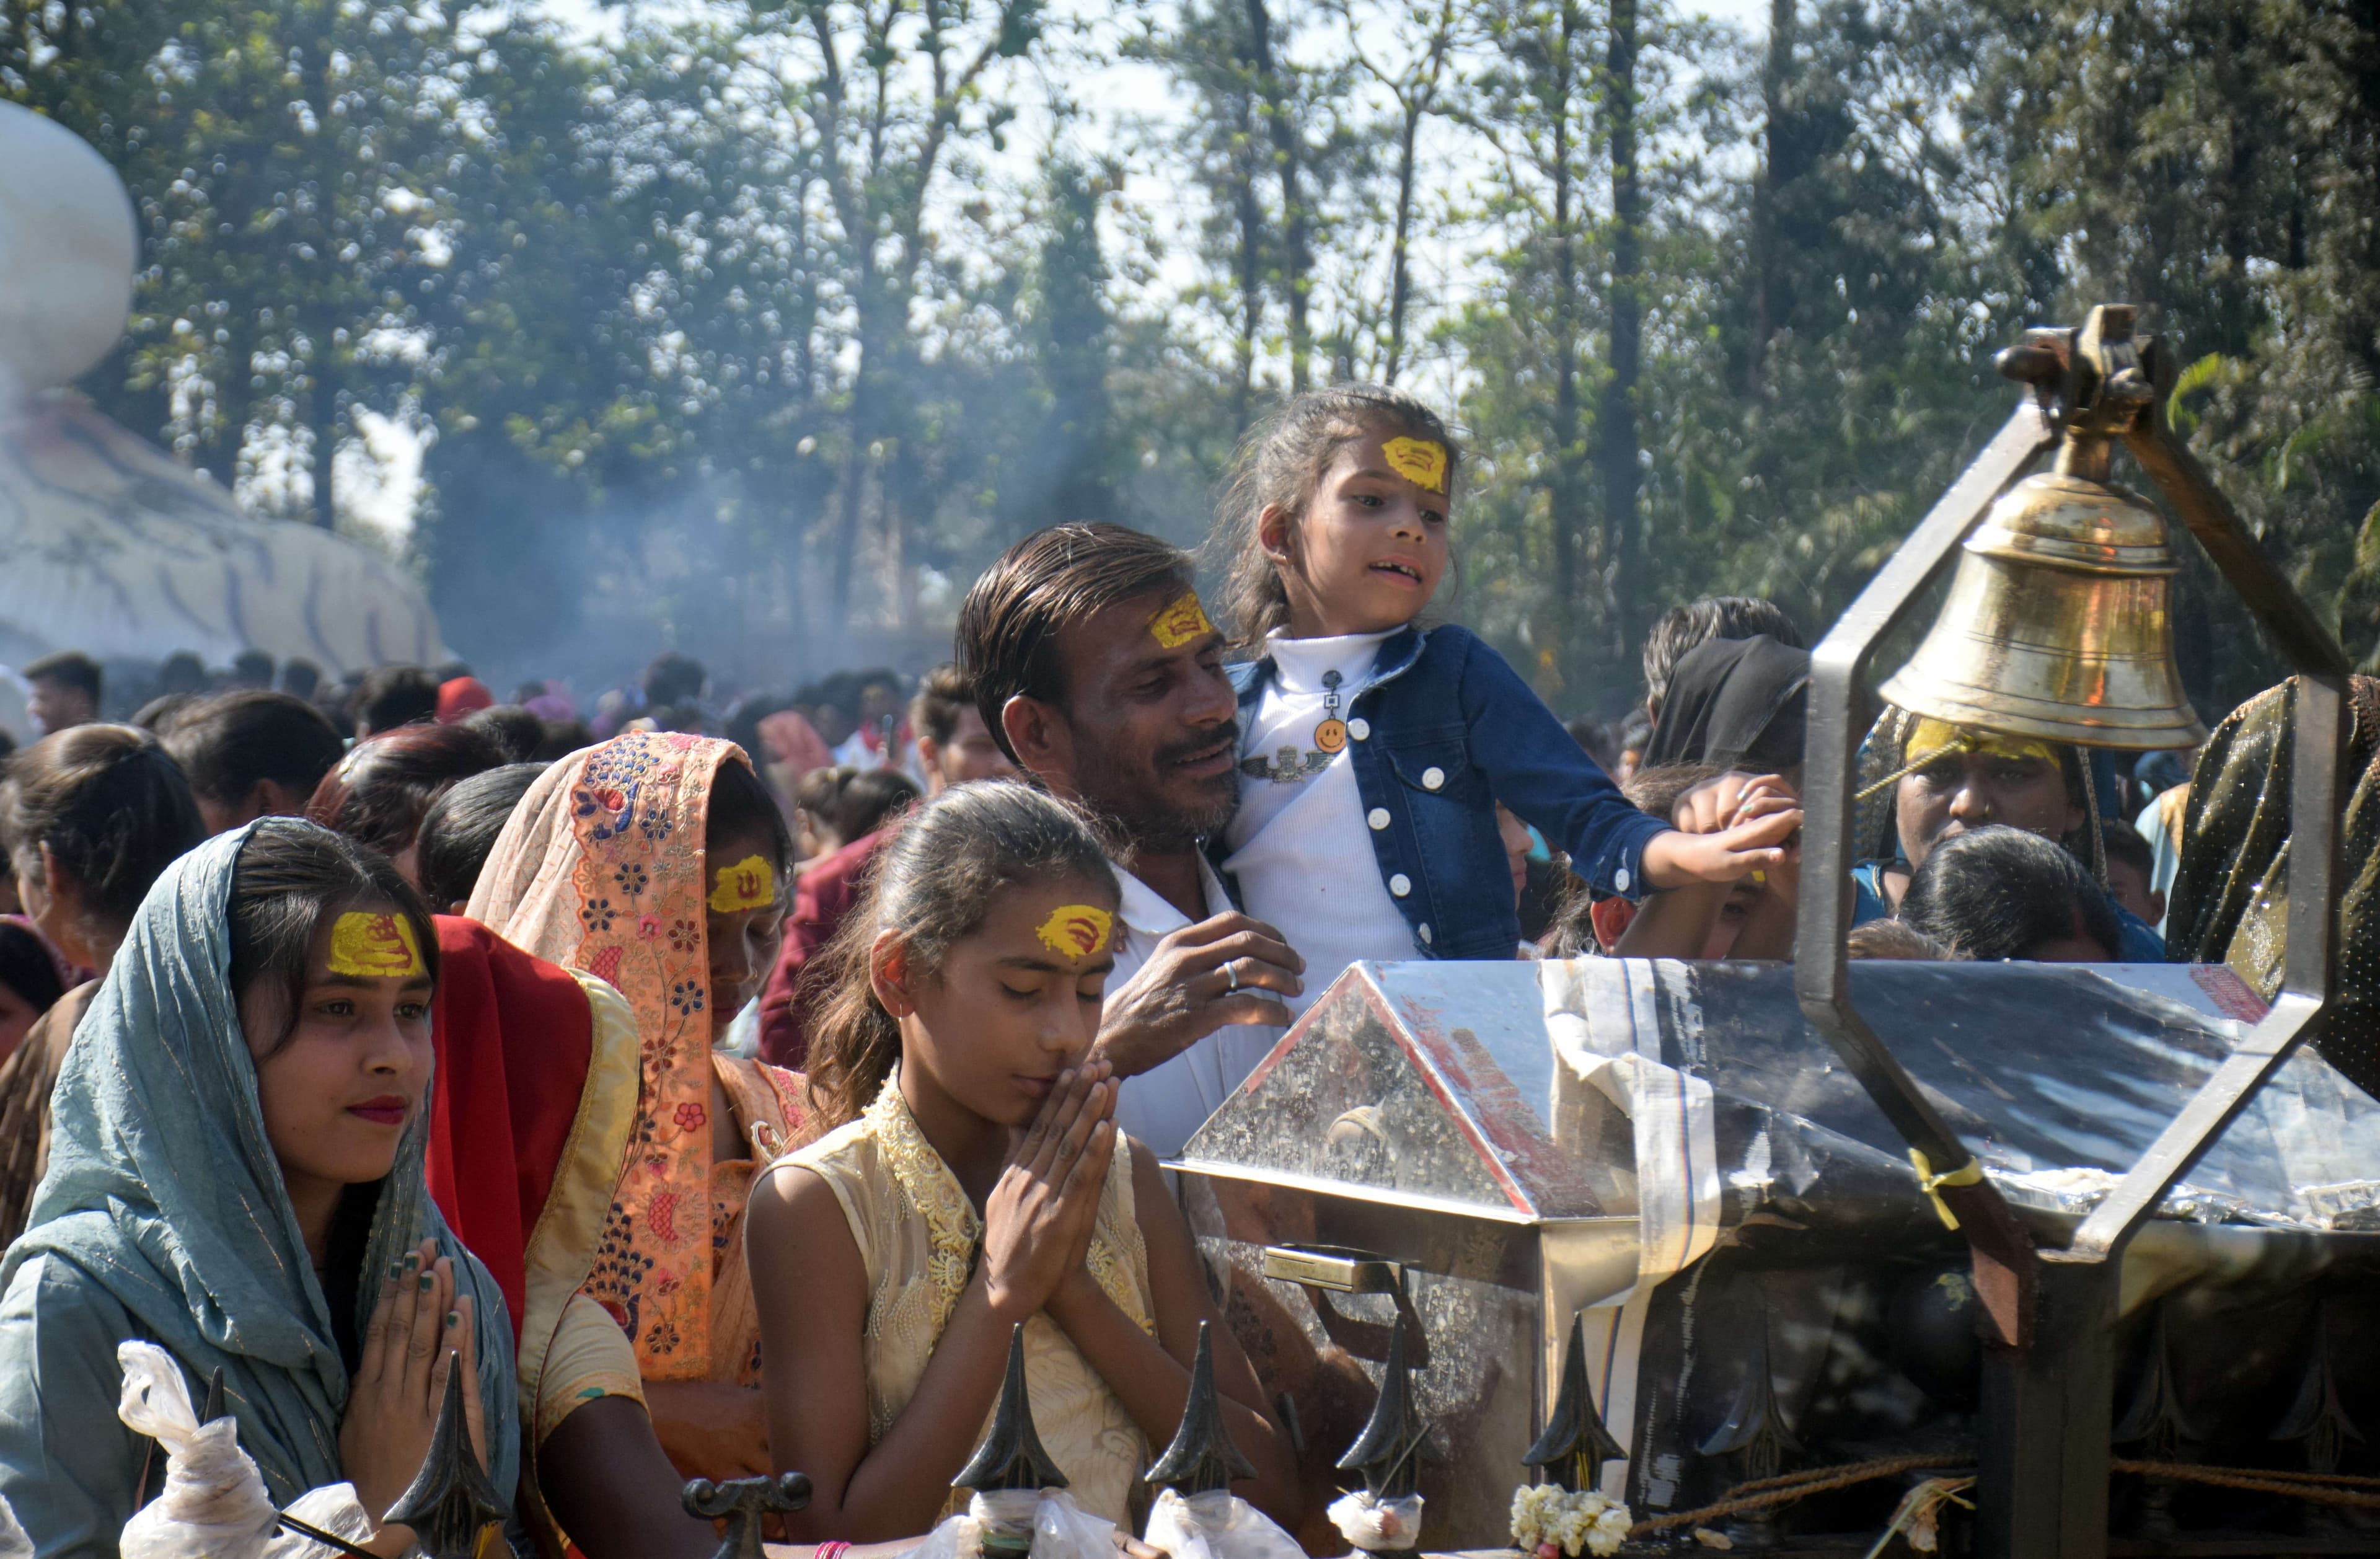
[1011, 1455]
[451, 1506]
[1575, 1445]
[1202, 1456]
[1384, 1452]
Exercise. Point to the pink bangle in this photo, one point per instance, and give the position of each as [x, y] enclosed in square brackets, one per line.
[834, 1549]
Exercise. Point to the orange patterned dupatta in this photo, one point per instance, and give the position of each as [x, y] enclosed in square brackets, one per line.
[602, 868]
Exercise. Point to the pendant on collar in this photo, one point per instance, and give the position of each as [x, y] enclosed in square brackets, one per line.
[1331, 735]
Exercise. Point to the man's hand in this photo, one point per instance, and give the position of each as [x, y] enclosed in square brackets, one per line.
[1226, 969]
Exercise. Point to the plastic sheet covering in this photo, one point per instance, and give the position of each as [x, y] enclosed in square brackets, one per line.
[13, 1543]
[2058, 1076]
[214, 1505]
[1216, 1523]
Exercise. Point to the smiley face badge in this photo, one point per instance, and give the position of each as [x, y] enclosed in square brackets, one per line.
[1075, 932]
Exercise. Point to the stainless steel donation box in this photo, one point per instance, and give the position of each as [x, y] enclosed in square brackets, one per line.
[1668, 1153]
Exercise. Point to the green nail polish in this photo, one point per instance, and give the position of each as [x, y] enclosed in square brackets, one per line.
[427, 1282]
[454, 1318]
[395, 1270]
[413, 1260]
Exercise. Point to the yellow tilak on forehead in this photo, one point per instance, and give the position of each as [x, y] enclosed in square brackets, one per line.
[1181, 622]
[750, 883]
[369, 946]
[1076, 931]
[1419, 460]
[1931, 739]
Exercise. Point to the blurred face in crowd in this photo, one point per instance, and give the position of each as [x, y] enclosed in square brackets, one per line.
[1983, 778]
[832, 722]
[879, 701]
[2128, 886]
[18, 1016]
[1146, 733]
[58, 706]
[969, 755]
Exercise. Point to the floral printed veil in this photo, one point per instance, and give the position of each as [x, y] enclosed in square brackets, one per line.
[602, 868]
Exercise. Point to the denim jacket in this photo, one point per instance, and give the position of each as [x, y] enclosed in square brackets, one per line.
[1444, 730]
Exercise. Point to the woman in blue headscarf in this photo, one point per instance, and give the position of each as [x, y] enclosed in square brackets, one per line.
[236, 1173]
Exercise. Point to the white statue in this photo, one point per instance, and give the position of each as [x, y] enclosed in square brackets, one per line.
[107, 544]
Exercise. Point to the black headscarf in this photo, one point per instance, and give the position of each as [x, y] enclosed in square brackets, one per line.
[1735, 703]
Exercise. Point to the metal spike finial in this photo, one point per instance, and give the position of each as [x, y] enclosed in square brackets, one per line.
[451, 1504]
[1755, 1427]
[742, 1504]
[1011, 1455]
[2318, 1418]
[1575, 1443]
[1385, 1452]
[1202, 1456]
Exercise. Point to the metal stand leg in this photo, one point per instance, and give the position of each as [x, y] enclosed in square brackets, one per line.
[2042, 1434]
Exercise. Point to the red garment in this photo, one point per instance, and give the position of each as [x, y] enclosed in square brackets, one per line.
[513, 1035]
[824, 897]
[464, 695]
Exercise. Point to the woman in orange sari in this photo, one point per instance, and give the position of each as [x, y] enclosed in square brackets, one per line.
[657, 863]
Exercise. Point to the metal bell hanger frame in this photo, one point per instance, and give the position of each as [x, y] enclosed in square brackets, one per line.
[2047, 1312]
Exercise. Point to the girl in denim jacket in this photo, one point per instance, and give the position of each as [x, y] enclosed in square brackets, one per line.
[1367, 741]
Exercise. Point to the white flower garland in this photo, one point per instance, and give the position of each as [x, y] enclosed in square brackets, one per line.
[1550, 1521]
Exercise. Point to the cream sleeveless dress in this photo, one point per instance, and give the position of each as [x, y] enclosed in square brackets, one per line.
[917, 1235]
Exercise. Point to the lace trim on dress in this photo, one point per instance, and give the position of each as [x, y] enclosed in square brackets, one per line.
[951, 1227]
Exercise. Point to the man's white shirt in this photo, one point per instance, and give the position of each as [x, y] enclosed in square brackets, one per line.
[1163, 1105]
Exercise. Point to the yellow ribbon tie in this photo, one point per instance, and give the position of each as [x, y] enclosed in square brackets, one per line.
[1968, 1173]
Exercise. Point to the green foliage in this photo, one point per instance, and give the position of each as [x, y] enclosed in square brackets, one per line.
[763, 324]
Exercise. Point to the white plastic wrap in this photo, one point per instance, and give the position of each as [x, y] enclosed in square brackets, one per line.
[335, 1510]
[214, 1505]
[1216, 1525]
[1378, 1526]
[1061, 1529]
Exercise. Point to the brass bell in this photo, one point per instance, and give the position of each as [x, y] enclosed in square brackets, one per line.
[2058, 622]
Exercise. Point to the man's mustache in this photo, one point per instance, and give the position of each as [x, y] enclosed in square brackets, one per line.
[1183, 751]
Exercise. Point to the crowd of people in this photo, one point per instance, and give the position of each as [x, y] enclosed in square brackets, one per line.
[716, 1103]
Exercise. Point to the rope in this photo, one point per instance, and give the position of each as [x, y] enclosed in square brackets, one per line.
[2258, 1482]
[1763, 1493]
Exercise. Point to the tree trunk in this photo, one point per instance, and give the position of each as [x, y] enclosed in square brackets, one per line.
[326, 450]
[1400, 270]
[1617, 421]
[1564, 491]
[1297, 262]
[1250, 258]
[1767, 285]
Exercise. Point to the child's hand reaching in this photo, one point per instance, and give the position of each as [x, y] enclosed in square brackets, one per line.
[1725, 827]
[1038, 1221]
